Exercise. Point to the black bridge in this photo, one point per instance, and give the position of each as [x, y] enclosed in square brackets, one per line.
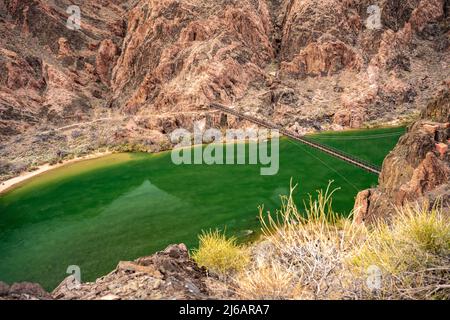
[303, 139]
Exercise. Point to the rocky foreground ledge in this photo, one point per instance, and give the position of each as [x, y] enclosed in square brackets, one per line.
[169, 274]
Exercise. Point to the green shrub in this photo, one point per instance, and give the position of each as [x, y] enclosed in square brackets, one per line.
[220, 254]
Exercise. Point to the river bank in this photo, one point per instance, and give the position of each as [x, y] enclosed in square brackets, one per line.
[12, 183]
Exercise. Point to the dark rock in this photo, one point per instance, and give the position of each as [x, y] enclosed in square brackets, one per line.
[28, 290]
[4, 289]
[169, 274]
[399, 62]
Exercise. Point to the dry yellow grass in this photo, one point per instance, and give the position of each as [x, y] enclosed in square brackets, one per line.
[269, 282]
[310, 246]
[412, 252]
[219, 254]
[317, 254]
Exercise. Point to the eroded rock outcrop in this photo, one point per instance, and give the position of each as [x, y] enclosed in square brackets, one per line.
[23, 291]
[179, 56]
[53, 72]
[417, 170]
[360, 62]
[169, 274]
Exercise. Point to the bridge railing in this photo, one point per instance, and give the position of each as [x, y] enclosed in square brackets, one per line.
[306, 140]
[347, 155]
[331, 149]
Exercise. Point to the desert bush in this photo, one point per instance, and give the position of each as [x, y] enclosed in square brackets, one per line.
[75, 134]
[130, 147]
[5, 166]
[412, 253]
[219, 254]
[272, 281]
[307, 250]
[317, 254]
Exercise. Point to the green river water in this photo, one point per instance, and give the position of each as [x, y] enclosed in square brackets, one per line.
[123, 206]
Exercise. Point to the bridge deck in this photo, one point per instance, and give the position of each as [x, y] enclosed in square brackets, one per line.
[327, 149]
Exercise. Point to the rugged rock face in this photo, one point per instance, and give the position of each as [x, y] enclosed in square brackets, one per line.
[418, 169]
[51, 72]
[179, 56]
[23, 291]
[169, 274]
[136, 70]
[345, 72]
[52, 76]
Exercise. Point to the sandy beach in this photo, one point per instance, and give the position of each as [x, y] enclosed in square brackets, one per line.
[11, 183]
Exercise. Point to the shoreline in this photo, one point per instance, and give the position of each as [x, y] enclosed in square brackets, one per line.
[12, 183]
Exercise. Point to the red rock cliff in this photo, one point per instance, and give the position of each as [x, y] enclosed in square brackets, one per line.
[137, 69]
[417, 170]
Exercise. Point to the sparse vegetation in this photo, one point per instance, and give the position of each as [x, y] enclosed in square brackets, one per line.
[413, 253]
[130, 147]
[220, 254]
[317, 254]
[310, 246]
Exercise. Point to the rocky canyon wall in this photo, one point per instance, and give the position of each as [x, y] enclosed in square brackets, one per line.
[417, 170]
[136, 69]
